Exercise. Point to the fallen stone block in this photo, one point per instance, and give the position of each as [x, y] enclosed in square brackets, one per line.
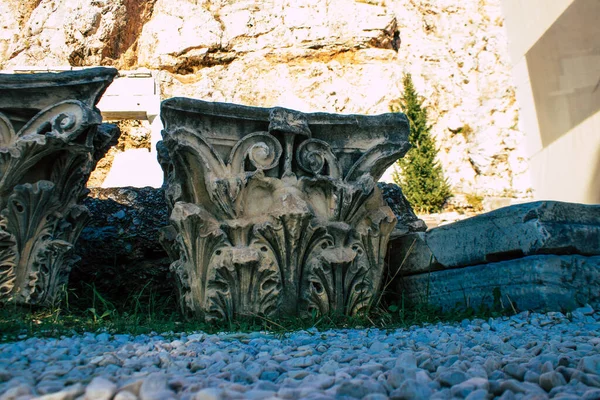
[539, 282]
[545, 227]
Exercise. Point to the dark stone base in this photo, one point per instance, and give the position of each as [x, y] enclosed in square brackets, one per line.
[119, 249]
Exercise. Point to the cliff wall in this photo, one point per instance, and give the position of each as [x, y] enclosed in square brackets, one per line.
[313, 55]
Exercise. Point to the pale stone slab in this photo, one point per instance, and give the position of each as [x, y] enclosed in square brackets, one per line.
[546, 227]
[540, 282]
[38, 91]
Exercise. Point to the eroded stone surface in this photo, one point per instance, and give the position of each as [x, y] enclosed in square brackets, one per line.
[408, 221]
[545, 227]
[50, 141]
[276, 211]
[540, 282]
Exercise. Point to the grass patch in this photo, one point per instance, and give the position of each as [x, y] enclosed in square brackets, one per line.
[144, 314]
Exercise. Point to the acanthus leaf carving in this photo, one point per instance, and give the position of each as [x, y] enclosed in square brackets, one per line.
[8, 262]
[198, 237]
[301, 224]
[338, 277]
[48, 148]
[244, 280]
[287, 237]
[42, 240]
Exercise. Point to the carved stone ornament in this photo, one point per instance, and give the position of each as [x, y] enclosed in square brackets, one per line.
[50, 141]
[276, 212]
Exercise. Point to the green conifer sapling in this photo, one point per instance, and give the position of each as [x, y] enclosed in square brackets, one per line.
[419, 174]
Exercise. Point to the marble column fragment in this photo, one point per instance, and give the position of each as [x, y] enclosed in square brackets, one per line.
[276, 212]
[50, 140]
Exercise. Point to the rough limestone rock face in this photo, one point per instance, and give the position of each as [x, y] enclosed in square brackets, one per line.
[277, 212]
[50, 140]
[67, 32]
[335, 56]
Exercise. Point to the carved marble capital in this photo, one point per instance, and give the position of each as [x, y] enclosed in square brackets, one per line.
[50, 141]
[276, 211]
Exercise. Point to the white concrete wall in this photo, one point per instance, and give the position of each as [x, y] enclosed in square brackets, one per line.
[567, 168]
[135, 96]
[527, 20]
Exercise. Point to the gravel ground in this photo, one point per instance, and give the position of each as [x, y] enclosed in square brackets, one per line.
[529, 356]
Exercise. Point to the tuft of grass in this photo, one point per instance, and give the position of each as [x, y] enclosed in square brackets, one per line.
[142, 313]
[467, 132]
[475, 201]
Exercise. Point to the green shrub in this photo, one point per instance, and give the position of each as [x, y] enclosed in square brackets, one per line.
[419, 174]
[466, 131]
[475, 201]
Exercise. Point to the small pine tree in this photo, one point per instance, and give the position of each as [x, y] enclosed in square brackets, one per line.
[420, 175]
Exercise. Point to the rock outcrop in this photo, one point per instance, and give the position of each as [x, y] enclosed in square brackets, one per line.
[334, 56]
[75, 33]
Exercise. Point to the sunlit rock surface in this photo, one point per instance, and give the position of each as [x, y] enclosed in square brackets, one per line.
[340, 56]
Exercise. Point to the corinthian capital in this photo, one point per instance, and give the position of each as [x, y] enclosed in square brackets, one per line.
[275, 211]
[50, 140]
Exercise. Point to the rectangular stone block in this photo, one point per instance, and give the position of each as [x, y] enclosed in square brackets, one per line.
[540, 283]
[129, 106]
[545, 227]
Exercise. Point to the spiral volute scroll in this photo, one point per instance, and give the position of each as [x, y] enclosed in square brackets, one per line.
[315, 156]
[260, 148]
[283, 232]
[64, 120]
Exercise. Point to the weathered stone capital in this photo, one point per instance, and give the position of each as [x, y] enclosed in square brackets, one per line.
[49, 144]
[276, 211]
